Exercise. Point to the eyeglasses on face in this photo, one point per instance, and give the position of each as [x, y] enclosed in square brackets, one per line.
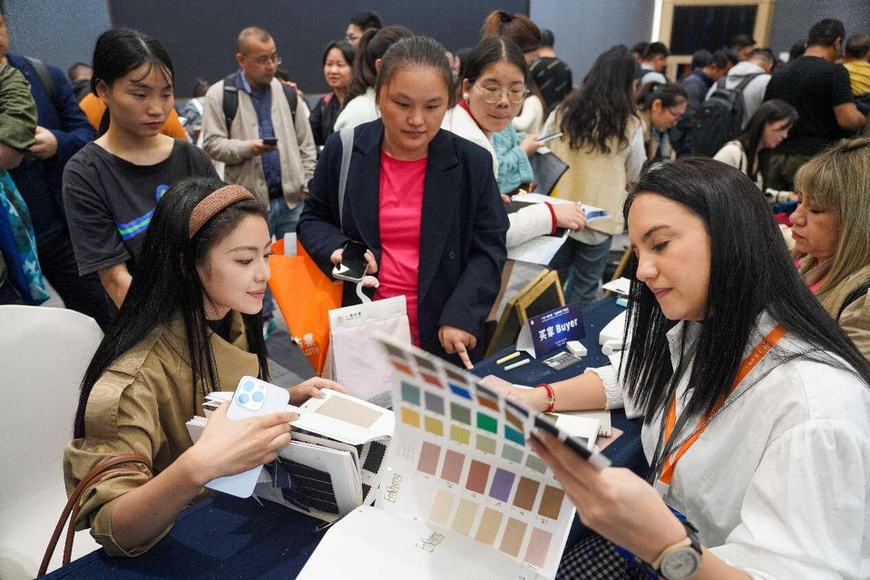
[352, 37]
[267, 58]
[493, 94]
[675, 115]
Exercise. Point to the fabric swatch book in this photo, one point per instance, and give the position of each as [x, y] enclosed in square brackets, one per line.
[335, 460]
[462, 494]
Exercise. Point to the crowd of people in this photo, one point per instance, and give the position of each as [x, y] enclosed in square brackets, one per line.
[156, 218]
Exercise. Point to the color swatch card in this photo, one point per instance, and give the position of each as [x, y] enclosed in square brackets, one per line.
[462, 496]
[459, 459]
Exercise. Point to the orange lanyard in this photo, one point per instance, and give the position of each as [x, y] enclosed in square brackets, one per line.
[755, 357]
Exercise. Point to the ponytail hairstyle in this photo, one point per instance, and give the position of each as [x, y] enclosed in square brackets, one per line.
[416, 52]
[120, 50]
[166, 282]
[670, 94]
[751, 271]
[518, 28]
[600, 109]
[373, 44]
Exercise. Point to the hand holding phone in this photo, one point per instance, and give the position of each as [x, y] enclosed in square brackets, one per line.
[549, 137]
[252, 399]
[271, 141]
[353, 265]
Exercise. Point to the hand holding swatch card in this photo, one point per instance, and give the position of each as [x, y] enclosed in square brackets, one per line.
[462, 495]
[333, 463]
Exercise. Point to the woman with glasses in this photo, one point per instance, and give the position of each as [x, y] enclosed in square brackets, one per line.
[660, 106]
[493, 90]
[337, 59]
[422, 200]
[602, 143]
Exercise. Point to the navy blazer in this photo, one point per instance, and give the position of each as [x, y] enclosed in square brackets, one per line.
[463, 226]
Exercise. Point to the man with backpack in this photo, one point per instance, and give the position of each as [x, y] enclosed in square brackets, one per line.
[652, 65]
[258, 127]
[62, 130]
[819, 89]
[731, 102]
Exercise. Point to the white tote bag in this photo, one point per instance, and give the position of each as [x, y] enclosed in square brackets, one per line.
[356, 360]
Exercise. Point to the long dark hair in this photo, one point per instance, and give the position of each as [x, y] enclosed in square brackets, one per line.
[416, 52]
[120, 50]
[771, 111]
[600, 110]
[166, 281]
[373, 44]
[751, 270]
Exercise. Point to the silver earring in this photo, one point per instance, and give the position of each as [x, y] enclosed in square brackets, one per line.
[464, 96]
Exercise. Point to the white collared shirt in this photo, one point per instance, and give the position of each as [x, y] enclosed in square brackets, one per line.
[779, 483]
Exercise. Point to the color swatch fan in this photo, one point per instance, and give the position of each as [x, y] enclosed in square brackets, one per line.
[462, 495]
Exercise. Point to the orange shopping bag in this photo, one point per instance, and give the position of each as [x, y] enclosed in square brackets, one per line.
[305, 296]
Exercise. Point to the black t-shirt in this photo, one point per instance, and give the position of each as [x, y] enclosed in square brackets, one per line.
[813, 86]
[554, 79]
[109, 201]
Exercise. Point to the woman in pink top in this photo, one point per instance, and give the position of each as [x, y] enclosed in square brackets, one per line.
[423, 200]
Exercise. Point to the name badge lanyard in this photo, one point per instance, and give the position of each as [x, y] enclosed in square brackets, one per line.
[664, 460]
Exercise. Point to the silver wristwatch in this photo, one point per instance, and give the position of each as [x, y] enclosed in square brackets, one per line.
[680, 561]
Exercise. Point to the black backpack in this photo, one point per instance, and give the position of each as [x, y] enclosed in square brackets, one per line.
[853, 296]
[45, 78]
[231, 100]
[718, 119]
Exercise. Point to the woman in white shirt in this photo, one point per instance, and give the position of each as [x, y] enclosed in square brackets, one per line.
[492, 92]
[767, 128]
[756, 406]
[531, 117]
[361, 107]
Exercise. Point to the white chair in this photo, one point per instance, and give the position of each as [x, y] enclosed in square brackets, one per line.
[44, 353]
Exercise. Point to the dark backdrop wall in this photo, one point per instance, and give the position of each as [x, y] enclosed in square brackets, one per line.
[792, 19]
[585, 28]
[58, 32]
[201, 35]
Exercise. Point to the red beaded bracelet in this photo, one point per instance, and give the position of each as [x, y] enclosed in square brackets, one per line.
[550, 393]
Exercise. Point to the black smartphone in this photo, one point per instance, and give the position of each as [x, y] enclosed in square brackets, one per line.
[353, 262]
[271, 141]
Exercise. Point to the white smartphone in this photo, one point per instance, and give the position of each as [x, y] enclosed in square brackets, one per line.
[549, 137]
[252, 398]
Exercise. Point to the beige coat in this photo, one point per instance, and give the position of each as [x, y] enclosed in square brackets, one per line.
[855, 319]
[295, 143]
[600, 180]
[140, 405]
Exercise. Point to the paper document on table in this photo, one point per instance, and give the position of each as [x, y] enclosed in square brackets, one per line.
[620, 286]
[538, 250]
[592, 213]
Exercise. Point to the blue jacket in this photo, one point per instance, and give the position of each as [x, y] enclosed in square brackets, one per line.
[40, 181]
[462, 238]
